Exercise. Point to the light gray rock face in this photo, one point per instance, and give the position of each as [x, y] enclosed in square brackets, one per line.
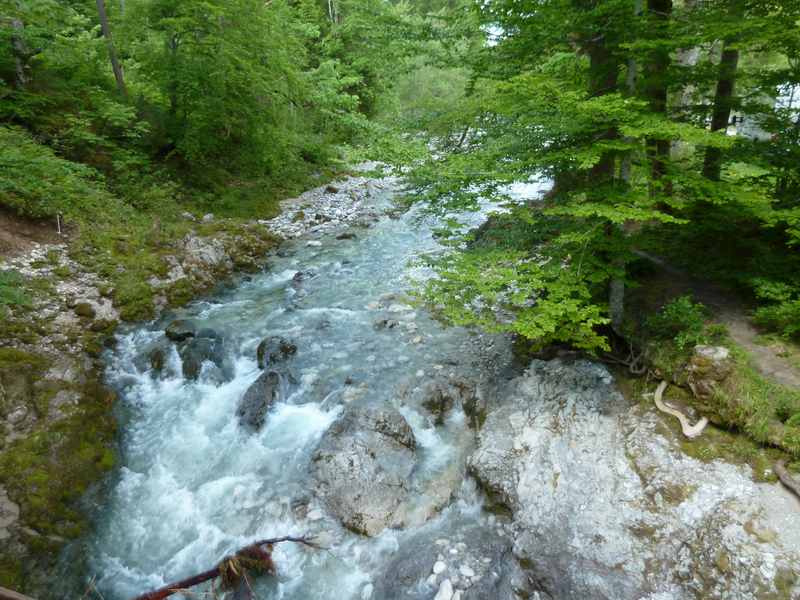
[474, 562]
[362, 467]
[605, 504]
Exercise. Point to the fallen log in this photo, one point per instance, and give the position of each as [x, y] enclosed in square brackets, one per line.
[786, 479]
[232, 570]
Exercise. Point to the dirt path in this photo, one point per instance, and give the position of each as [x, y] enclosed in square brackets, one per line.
[768, 359]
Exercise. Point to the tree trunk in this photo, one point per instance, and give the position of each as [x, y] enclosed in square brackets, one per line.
[630, 85]
[20, 53]
[659, 13]
[112, 53]
[723, 103]
[602, 80]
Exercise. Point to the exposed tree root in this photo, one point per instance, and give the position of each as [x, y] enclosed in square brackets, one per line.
[234, 570]
[786, 479]
[689, 430]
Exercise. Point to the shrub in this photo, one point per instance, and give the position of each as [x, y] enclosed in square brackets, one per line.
[782, 310]
[681, 320]
[12, 291]
[34, 182]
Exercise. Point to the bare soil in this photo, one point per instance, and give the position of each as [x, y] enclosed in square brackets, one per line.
[18, 234]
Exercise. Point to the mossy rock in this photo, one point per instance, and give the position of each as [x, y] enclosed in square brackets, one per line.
[181, 292]
[48, 471]
[11, 571]
[134, 299]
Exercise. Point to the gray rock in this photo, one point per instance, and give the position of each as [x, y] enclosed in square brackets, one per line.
[606, 505]
[274, 349]
[380, 324]
[157, 358]
[362, 467]
[408, 575]
[209, 333]
[258, 399]
[180, 330]
[445, 591]
[439, 396]
[708, 367]
[198, 350]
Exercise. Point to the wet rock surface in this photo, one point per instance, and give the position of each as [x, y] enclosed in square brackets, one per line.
[362, 467]
[604, 506]
[199, 350]
[274, 349]
[180, 330]
[258, 399]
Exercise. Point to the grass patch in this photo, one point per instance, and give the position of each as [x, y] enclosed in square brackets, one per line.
[12, 290]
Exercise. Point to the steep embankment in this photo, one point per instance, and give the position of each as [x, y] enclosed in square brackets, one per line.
[57, 429]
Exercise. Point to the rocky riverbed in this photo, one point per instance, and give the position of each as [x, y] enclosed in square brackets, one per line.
[315, 398]
[57, 430]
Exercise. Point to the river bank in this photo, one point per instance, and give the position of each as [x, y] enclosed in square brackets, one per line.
[57, 428]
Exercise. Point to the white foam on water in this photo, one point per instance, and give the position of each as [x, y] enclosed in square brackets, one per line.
[194, 485]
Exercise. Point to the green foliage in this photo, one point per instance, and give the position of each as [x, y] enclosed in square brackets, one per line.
[592, 95]
[682, 321]
[12, 292]
[35, 182]
[782, 311]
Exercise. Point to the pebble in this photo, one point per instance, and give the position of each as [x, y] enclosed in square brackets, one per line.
[453, 550]
[432, 579]
[315, 515]
[466, 571]
[314, 243]
[439, 567]
[416, 340]
[445, 591]
[366, 592]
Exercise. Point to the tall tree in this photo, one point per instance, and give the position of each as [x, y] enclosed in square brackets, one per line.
[112, 52]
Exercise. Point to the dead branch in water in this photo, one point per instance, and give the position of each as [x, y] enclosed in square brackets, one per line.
[786, 479]
[232, 569]
[6, 594]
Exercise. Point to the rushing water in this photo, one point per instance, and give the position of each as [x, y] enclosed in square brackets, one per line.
[194, 485]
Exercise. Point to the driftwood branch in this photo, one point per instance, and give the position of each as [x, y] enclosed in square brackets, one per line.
[6, 594]
[786, 479]
[230, 569]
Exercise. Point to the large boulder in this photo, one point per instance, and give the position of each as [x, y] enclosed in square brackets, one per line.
[258, 399]
[362, 467]
[708, 367]
[606, 504]
[274, 349]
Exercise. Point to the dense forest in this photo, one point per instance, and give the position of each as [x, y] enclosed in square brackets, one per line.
[666, 132]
